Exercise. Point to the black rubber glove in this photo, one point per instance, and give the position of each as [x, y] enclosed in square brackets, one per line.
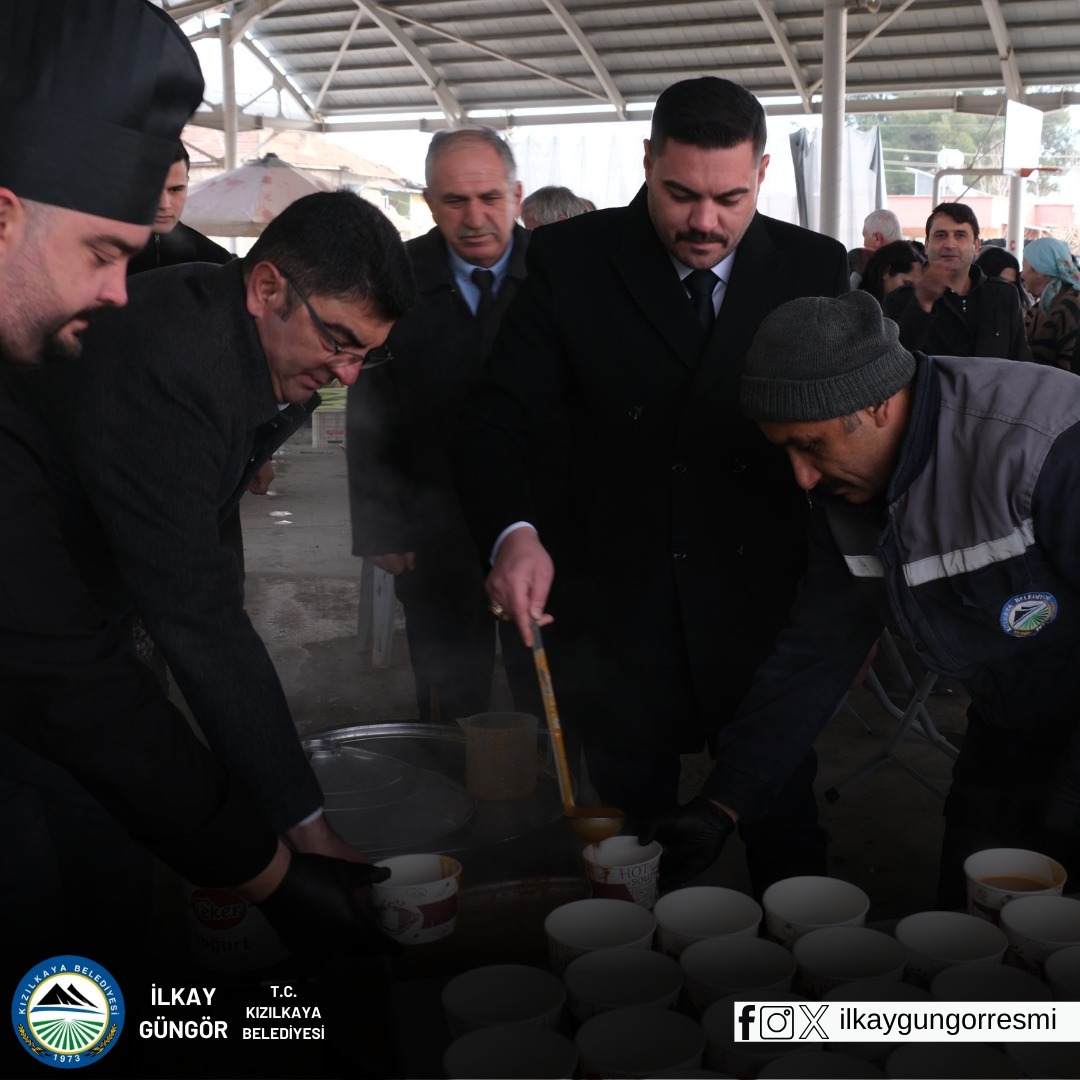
[315, 909]
[692, 835]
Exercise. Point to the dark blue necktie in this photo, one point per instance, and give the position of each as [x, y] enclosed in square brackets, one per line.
[484, 280]
[700, 285]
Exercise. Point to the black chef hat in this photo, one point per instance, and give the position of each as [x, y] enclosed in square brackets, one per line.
[93, 97]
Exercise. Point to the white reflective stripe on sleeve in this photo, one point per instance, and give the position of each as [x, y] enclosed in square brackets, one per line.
[864, 565]
[967, 560]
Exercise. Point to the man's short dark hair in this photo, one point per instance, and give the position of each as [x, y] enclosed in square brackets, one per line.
[335, 244]
[182, 155]
[710, 113]
[960, 212]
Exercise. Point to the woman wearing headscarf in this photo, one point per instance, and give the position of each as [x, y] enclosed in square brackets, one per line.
[1050, 274]
[995, 261]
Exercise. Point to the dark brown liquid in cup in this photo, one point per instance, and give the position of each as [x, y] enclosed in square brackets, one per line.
[1016, 883]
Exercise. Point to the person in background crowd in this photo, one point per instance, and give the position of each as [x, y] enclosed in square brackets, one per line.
[890, 267]
[171, 241]
[881, 227]
[1050, 275]
[996, 262]
[954, 309]
[406, 518]
[683, 537]
[548, 204]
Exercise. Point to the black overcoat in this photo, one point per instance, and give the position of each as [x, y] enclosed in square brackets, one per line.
[685, 534]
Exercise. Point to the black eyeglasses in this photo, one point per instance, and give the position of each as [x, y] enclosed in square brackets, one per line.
[340, 355]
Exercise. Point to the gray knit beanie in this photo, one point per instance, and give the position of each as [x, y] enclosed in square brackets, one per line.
[817, 358]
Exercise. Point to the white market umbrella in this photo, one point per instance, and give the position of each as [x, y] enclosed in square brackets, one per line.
[243, 201]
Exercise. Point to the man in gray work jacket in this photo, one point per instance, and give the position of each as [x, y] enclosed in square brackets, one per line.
[944, 503]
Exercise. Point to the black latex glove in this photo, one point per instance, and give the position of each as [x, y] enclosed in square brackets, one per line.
[315, 909]
[692, 835]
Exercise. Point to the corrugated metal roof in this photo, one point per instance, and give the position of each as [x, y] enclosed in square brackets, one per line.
[451, 59]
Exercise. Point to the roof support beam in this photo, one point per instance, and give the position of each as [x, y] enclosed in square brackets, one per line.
[243, 18]
[532, 68]
[787, 53]
[280, 82]
[886, 22]
[180, 12]
[442, 93]
[1010, 70]
[578, 37]
[346, 41]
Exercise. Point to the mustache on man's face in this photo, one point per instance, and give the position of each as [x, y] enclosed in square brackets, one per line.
[484, 230]
[696, 236]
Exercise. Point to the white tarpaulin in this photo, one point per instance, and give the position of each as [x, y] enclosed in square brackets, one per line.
[863, 179]
[243, 201]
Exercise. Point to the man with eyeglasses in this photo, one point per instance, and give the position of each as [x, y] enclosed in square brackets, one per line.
[181, 396]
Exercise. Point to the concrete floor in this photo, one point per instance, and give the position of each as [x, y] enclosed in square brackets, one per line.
[302, 595]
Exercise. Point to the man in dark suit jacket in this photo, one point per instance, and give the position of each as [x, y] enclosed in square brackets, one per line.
[405, 514]
[182, 396]
[687, 535]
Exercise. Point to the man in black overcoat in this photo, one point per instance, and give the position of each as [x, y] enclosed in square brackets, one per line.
[686, 536]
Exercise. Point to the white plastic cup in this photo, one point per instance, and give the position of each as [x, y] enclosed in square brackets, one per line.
[620, 978]
[638, 1042]
[582, 926]
[717, 967]
[1062, 973]
[797, 905]
[939, 939]
[620, 868]
[842, 954]
[226, 933]
[685, 916]
[988, 982]
[502, 994]
[519, 1050]
[418, 903]
[997, 876]
[1037, 927]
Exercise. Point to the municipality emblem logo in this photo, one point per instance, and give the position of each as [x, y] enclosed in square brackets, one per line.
[67, 1012]
[1028, 613]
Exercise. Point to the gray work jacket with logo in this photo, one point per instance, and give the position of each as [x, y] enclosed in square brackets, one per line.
[974, 559]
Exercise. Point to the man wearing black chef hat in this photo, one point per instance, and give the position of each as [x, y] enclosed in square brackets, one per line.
[94, 96]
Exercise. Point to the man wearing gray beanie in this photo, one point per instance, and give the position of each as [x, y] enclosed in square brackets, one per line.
[943, 494]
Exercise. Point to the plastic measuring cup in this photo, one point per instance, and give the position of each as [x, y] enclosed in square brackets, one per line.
[500, 755]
